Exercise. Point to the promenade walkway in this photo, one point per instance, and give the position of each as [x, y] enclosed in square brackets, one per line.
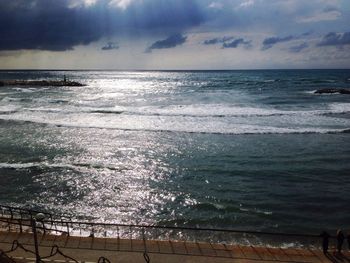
[60, 239]
[90, 249]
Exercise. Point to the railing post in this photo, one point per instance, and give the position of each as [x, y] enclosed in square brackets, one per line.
[11, 213]
[145, 255]
[20, 225]
[144, 240]
[33, 221]
[131, 237]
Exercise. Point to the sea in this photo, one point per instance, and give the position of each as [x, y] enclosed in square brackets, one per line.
[250, 150]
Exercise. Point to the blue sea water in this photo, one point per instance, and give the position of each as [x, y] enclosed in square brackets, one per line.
[250, 150]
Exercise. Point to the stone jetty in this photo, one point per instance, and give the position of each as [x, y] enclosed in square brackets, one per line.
[41, 83]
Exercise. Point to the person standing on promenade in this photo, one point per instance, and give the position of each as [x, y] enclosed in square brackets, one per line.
[325, 241]
[340, 240]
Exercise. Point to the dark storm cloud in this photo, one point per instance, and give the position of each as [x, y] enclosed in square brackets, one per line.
[237, 42]
[335, 39]
[217, 40]
[45, 25]
[61, 25]
[271, 41]
[298, 48]
[228, 42]
[170, 42]
[110, 46]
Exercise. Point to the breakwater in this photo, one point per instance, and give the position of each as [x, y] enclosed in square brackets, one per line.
[40, 83]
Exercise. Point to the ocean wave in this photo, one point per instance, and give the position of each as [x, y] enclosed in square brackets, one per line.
[254, 211]
[216, 110]
[10, 99]
[196, 110]
[58, 101]
[25, 90]
[8, 109]
[107, 111]
[46, 165]
[176, 110]
[316, 81]
[338, 108]
[213, 207]
[212, 110]
[200, 118]
[203, 110]
[183, 127]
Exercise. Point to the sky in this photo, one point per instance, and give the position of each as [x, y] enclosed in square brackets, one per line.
[174, 34]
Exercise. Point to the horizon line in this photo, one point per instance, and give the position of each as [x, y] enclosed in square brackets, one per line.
[170, 70]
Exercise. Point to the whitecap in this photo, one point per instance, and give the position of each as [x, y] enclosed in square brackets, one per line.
[8, 109]
[339, 108]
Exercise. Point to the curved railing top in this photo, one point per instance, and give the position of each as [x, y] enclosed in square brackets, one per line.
[62, 224]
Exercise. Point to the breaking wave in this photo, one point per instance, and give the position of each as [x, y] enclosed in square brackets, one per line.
[199, 110]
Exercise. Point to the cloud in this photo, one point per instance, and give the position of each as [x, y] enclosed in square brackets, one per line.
[45, 25]
[170, 42]
[110, 46]
[217, 40]
[325, 15]
[298, 48]
[215, 5]
[237, 42]
[271, 41]
[335, 39]
[246, 3]
[228, 42]
[308, 33]
[122, 4]
[81, 3]
[65, 24]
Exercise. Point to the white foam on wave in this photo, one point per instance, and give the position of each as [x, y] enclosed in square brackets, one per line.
[201, 110]
[310, 91]
[25, 90]
[218, 110]
[76, 110]
[8, 109]
[195, 110]
[226, 125]
[339, 107]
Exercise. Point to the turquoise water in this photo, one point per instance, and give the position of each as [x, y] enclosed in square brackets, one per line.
[252, 150]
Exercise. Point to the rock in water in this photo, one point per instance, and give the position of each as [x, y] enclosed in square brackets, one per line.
[331, 91]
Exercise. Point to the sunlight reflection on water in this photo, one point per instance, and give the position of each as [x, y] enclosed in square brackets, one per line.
[216, 149]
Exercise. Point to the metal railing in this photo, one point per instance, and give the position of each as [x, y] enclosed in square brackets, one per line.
[25, 220]
[55, 250]
[17, 219]
[24, 213]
